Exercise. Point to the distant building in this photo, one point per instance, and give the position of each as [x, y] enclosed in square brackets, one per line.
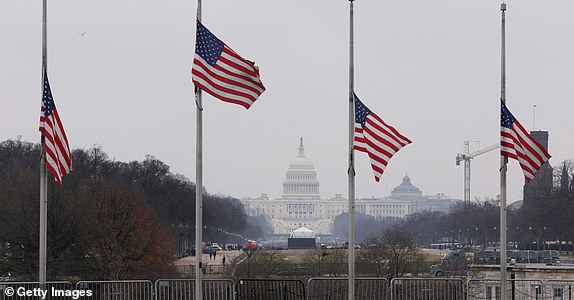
[539, 188]
[300, 205]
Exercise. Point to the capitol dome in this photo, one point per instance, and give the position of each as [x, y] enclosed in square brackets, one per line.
[301, 178]
[300, 162]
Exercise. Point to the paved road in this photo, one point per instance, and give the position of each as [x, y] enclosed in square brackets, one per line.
[215, 264]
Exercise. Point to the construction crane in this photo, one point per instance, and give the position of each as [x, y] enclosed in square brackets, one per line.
[466, 156]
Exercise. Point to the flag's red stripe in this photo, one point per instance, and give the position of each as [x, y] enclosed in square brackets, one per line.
[379, 159]
[252, 71]
[231, 79]
[517, 143]
[509, 155]
[240, 79]
[380, 138]
[207, 74]
[359, 144]
[58, 159]
[380, 141]
[57, 150]
[51, 159]
[524, 150]
[237, 75]
[376, 168]
[221, 88]
[62, 143]
[380, 152]
[220, 97]
[205, 85]
[401, 139]
[58, 142]
[522, 135]
[378, 171]
[359, 139]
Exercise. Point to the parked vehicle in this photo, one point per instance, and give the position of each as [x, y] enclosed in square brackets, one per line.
[215, 246]
[252, 244]
[452, 264]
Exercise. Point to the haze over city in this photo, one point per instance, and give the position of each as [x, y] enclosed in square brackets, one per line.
[120, 77]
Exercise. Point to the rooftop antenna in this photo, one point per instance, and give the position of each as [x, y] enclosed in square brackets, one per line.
[534, 116]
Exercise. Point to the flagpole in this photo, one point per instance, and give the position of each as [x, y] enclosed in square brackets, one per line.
[43, 232]
[351, 169]
[198, 186]
[503, 163]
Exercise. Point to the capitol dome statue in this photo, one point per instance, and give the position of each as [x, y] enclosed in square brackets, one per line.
[301, 178]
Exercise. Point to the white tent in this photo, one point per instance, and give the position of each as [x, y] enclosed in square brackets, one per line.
[303, 232]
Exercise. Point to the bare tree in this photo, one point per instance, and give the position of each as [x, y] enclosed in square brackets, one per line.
[401, 250]
[125, 236]
[261, 263]
[109, 219]
[331, 262]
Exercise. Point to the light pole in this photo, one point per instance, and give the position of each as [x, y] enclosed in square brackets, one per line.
[544, 239]
[494, 238]
[476, 235]
[534, 116]
[517, 237]
[530, 236]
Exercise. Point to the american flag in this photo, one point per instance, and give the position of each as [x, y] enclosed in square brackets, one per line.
[58, 159]
[222, 73]
[516, 143]
[375, 137]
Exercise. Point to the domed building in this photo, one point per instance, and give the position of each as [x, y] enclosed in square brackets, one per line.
[301, 205]
[301, 178]
[406, 190]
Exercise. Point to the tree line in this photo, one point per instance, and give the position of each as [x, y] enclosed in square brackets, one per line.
[547, 217]
[109, 220]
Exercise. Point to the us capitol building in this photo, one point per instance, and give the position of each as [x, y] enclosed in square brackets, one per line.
[300, 205]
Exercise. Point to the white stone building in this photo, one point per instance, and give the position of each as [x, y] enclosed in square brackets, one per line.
[301, 205]
[524, 281]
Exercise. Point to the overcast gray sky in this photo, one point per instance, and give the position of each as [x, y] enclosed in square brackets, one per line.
[120, 76]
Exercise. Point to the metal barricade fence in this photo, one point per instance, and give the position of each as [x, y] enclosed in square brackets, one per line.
[211, 269]
[560, 289]
[184, 289]
[337, 288]
[55, 289]
[317, 289]
[479, 289]
[427, 288]
[270, 289]
[118, 290]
